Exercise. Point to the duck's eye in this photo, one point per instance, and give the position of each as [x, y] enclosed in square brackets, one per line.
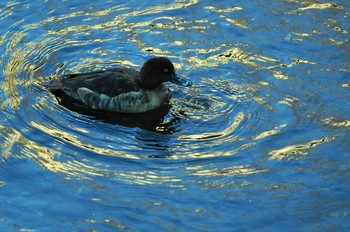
[166, 70]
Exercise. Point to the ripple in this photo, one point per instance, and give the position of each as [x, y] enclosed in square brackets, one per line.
[291, 151]
[227, 171]
[71, 144]
[266, 114]
[226, 111]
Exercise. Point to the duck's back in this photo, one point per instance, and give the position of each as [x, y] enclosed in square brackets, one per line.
[110, 82]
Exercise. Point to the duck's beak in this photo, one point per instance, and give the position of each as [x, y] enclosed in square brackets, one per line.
[180, 80]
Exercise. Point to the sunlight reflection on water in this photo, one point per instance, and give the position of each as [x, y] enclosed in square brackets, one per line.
[266, 117]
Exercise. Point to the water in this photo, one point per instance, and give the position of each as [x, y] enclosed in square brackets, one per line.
[260, 142]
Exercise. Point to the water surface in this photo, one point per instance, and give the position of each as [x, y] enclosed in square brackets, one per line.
[260, 142]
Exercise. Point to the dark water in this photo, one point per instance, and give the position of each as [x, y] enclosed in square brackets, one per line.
[260, 142]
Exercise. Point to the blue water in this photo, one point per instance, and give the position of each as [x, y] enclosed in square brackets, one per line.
[260, 142]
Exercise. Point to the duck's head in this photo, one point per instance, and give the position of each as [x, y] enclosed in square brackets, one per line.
[158, 70]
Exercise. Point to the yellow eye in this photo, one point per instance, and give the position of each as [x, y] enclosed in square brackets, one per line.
[165, 70]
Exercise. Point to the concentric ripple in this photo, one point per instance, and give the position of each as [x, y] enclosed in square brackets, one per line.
[227, 110]
[267, 117]
[209, 119]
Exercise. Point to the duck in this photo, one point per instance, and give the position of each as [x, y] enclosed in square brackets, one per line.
[122, 90]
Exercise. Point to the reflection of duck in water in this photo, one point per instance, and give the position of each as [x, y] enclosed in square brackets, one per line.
[121, 90]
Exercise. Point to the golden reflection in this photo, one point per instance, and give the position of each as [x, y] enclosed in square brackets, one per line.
[116, 224]
[2, 40]
[119, 21]
[333, 41]
[269, 133]
[236, 22]
[264, 83]
[7, 145]
[178, 43]
[301, 61]
[226, 10]
[19, 62]
[233, 54]
[279, 75]
[290, 100]
[46, 158]
[165, 7]
[210, 135]
[7, 10]
[292, 151]
[204, 51]
[75, 141]
[150, 177]
[154, 50]
[263, 59]
[261, 101]
[336, 122]
[228, 171]
[12, 68]
[321, 6]
[39, 154]
[200, 155]
[302, 34]
[332, 23]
